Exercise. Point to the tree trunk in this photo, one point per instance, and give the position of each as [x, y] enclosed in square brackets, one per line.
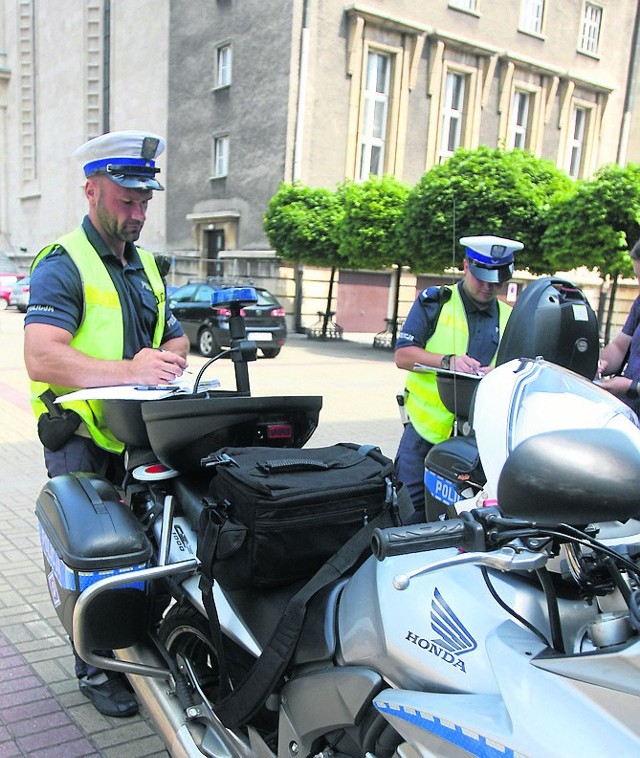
[297, 299]
[612, 301]
[602, 301]
[327, 313]
[396, 301]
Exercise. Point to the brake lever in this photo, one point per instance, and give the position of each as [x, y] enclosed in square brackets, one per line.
[505, 559]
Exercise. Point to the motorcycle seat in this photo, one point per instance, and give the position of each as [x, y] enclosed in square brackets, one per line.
[262, 609]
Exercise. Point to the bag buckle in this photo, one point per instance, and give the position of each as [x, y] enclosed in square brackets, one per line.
[217, 459]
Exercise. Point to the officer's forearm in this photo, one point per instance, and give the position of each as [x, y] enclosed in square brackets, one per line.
[179, 345]
[407, 357]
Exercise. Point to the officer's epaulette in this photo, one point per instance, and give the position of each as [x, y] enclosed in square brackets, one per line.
[435, 294]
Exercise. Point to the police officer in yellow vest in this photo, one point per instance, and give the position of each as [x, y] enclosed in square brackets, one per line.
[97, 316]
[455, 328]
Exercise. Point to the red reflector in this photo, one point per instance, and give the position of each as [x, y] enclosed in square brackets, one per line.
[279, 432]
[156, 468]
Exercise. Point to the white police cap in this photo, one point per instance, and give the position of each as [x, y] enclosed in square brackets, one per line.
[491, 258]
[126, 157]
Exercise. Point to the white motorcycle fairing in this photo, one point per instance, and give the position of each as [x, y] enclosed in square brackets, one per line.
[522, 398]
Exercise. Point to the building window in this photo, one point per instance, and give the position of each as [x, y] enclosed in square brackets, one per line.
[223, 66]
[531, 16]
[375, 115]
[576, 142]
[465, 5]
[520, 109]
[452, 114]
[590, 34]
[220, 157]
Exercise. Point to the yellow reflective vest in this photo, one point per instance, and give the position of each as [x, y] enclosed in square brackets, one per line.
[102, 316]
[427, 414]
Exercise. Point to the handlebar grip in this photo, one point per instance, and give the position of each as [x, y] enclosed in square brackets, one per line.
[416, 537]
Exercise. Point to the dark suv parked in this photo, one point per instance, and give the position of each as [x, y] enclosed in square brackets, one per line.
[208, 327]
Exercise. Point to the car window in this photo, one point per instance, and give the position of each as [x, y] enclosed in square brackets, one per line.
[266, 298]
[203, 295]
[184, 294]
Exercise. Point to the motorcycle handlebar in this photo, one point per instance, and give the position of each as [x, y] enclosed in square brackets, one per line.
[418, 537]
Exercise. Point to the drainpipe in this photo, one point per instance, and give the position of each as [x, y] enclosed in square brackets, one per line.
[629, 95]
[106, 65]
[303, 71]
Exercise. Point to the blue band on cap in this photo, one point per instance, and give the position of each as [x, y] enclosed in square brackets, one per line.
[487, 259]
[91, 168]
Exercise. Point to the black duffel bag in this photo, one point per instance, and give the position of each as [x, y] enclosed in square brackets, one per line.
[278, 514]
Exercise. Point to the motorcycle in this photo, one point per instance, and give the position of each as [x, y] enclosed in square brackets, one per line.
[509, 629]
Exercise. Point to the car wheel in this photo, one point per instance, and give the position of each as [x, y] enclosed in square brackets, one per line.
[4, 304]
[207, 343]
[270, 352]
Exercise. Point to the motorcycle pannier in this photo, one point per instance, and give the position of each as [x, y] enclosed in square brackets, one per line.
[282, 513]
[87, 533]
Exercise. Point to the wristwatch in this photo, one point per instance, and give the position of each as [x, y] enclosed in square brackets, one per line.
[632, 392]
[446, 362]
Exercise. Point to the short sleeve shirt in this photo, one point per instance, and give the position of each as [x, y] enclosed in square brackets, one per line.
[632, 369]
[56, 295]
[483, 325]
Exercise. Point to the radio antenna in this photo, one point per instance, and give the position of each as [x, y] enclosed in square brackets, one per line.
[453, 268]
[453, 236]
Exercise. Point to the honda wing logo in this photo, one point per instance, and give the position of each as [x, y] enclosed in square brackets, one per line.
[453, 638]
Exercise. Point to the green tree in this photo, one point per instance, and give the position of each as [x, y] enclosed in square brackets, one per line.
[595, 226]
[369, 231]
[481, 191]
[300, 223]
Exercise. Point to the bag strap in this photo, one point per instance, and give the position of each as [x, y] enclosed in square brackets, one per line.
[49, 397]
[208, 532]
[345, 460]
[243, 703]
[239, 706]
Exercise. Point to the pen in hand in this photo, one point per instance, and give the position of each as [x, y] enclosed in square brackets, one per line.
[185, 371]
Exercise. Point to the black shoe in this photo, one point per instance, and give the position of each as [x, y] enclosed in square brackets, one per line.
[111, 697]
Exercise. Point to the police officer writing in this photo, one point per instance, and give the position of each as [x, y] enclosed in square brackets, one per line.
[455, 328]
[620, 360]
[98, 315]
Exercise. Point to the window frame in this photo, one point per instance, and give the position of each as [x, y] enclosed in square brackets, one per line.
[531, 10]
[585, 25]
[220, 157]
[516, 129]
[466, 6]
[221, 49]
[579, 144]
[371, 99]
[449, 114]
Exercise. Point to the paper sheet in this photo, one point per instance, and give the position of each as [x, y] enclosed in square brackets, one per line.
[446, 372]
[140, 392]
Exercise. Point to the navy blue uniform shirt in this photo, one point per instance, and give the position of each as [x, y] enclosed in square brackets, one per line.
[484, 324]
[632, 370]
[56, 296]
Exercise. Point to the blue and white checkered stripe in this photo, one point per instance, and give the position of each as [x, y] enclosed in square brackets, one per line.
[78, 581]
[474, 744]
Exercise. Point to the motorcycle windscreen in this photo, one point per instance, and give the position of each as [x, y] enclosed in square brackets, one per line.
[525, 397]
